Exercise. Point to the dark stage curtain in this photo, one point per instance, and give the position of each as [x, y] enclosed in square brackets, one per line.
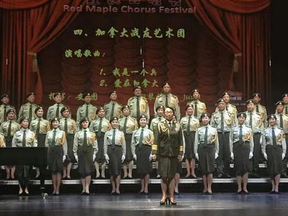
[241, 6]
[198, 61]
[21, 4]
[246, 34]
[242, 28]
[26, 32]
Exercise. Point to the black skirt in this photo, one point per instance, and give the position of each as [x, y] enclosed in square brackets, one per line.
[23, 171]
[189, 145]
[70, 154]
[129, 156]
[242, 164]
[55, 158]
[100, 154]
[143, 164]
[41, 140]
[274, 162]
[85, 161]
[206, 159]
[167, 166]
[115, 162]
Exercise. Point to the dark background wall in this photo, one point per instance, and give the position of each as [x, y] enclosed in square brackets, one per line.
[279, 49]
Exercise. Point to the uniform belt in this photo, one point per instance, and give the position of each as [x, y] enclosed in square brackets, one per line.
[257, 133]
[224, 132]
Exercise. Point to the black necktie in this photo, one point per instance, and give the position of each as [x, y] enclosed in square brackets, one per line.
[206, 136]
[113, 138]
[86, 113]
[222, 122]
[240, 135]
[30, 113]
[141, 138]
[85, 139]
[38, 126]
[274, 138]
[112, 110]
[24, 139]
[5, 113]
[257, 108]
[124, 126]
[281, 121]
[166, 101]
[196, 109]
[138, 108]
[250, 122]
[286, 109]
[9, 129]
[99, 128]
[57, 111]
[188, 125]
[54, 137]
[66, 126]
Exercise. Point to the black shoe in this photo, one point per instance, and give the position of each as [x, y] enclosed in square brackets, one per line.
[146, 193]
[83, 193]
[245, 192]
[176, 193]
[117, 193]
[113, 193]
[141, 193]
[209, 193]
[21, 194]
[239, 192]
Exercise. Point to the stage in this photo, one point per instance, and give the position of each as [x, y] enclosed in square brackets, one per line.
[134, 204]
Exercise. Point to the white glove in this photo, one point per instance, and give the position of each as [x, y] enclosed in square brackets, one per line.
[76, 157]
[123, 158]
[135, 157]
[283, 156]
[94, 157]
[265, 156]
[150, 157]
[106, 158]
[197, 156]
[250, 155]
[232, 155]
[64, 158]
[216, 155]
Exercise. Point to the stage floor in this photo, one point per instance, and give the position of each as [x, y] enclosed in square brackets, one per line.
[140, 205]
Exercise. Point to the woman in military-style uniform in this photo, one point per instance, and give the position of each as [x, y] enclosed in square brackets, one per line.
[114, 152]
[40, 127]
[8, 129]
[241, 148]
[189, 125]
[128, 124]
[274, 150]
[57, 151]
[168, 150]
[69, 126]
[206, 148]
[24, 138]
[142, 140]
[99, 127]
[85, 149]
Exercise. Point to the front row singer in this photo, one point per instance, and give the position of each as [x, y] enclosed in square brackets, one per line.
[168, 150]
[206, 148]
[85, 148]
[114, 152]
[24, 138]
